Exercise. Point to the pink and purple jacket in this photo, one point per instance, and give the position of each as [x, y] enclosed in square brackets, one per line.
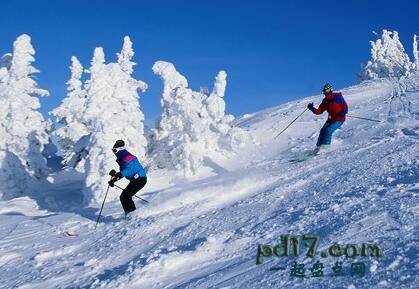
[129, 165]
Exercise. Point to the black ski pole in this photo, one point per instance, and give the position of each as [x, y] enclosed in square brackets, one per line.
[98, 217]
[290, 124]
[134, 195]
[364, 118]
[141, 199]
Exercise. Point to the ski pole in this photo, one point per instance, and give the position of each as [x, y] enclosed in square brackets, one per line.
[290, 124]
[98, 217]
[364, 118]
[134, 195]
[141, 199]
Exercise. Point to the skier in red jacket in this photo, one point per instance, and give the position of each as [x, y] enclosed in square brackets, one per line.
[337, 108]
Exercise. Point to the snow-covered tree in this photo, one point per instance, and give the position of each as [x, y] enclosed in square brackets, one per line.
[179, 142]
[6, 177]
[98, 75]
[23, 129]
[112, 113]
[415, 54]
[98, 111]
[215, 102]
[388, 58]
[230, 138]
[125, 56]
[192, 125]
[70, 125]
[126, 89]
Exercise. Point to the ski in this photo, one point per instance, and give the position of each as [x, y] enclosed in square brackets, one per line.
[71, 234]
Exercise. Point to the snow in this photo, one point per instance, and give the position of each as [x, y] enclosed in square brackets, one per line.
[21, 206]
[202, 232]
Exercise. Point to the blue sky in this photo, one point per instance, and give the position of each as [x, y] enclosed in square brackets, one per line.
[273, 51]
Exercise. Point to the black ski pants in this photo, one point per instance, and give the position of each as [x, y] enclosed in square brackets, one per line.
[126, 196]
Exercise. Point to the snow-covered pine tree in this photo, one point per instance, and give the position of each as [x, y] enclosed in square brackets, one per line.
[180, 139]
[126, 89]
[388, 58]
[415, 54]
[192, 124]
[93, 86]
[98, 148]
[112, 112]
[6, 180]
[70, 125]
[215, 102]
[230, 138]
[23, 132]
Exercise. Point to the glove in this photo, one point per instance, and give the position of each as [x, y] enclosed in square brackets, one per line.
[310, 106]
[118, 176]
[111, 183]
[112, 173]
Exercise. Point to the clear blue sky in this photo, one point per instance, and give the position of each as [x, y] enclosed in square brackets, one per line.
[273, 51]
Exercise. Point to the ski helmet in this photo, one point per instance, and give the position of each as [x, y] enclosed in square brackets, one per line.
[327, 88]
[119, 143]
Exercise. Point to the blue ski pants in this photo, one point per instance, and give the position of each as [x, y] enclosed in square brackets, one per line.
[325, 137]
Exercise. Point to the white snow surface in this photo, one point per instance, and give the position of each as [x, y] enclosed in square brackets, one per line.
[203, 233]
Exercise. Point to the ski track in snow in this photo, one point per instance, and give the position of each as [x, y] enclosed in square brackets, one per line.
[204, 233]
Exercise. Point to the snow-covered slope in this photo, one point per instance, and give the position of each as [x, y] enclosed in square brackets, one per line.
[203, 233]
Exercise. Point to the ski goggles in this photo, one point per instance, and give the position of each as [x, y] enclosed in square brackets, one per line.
[327, 90]
[115, 150]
